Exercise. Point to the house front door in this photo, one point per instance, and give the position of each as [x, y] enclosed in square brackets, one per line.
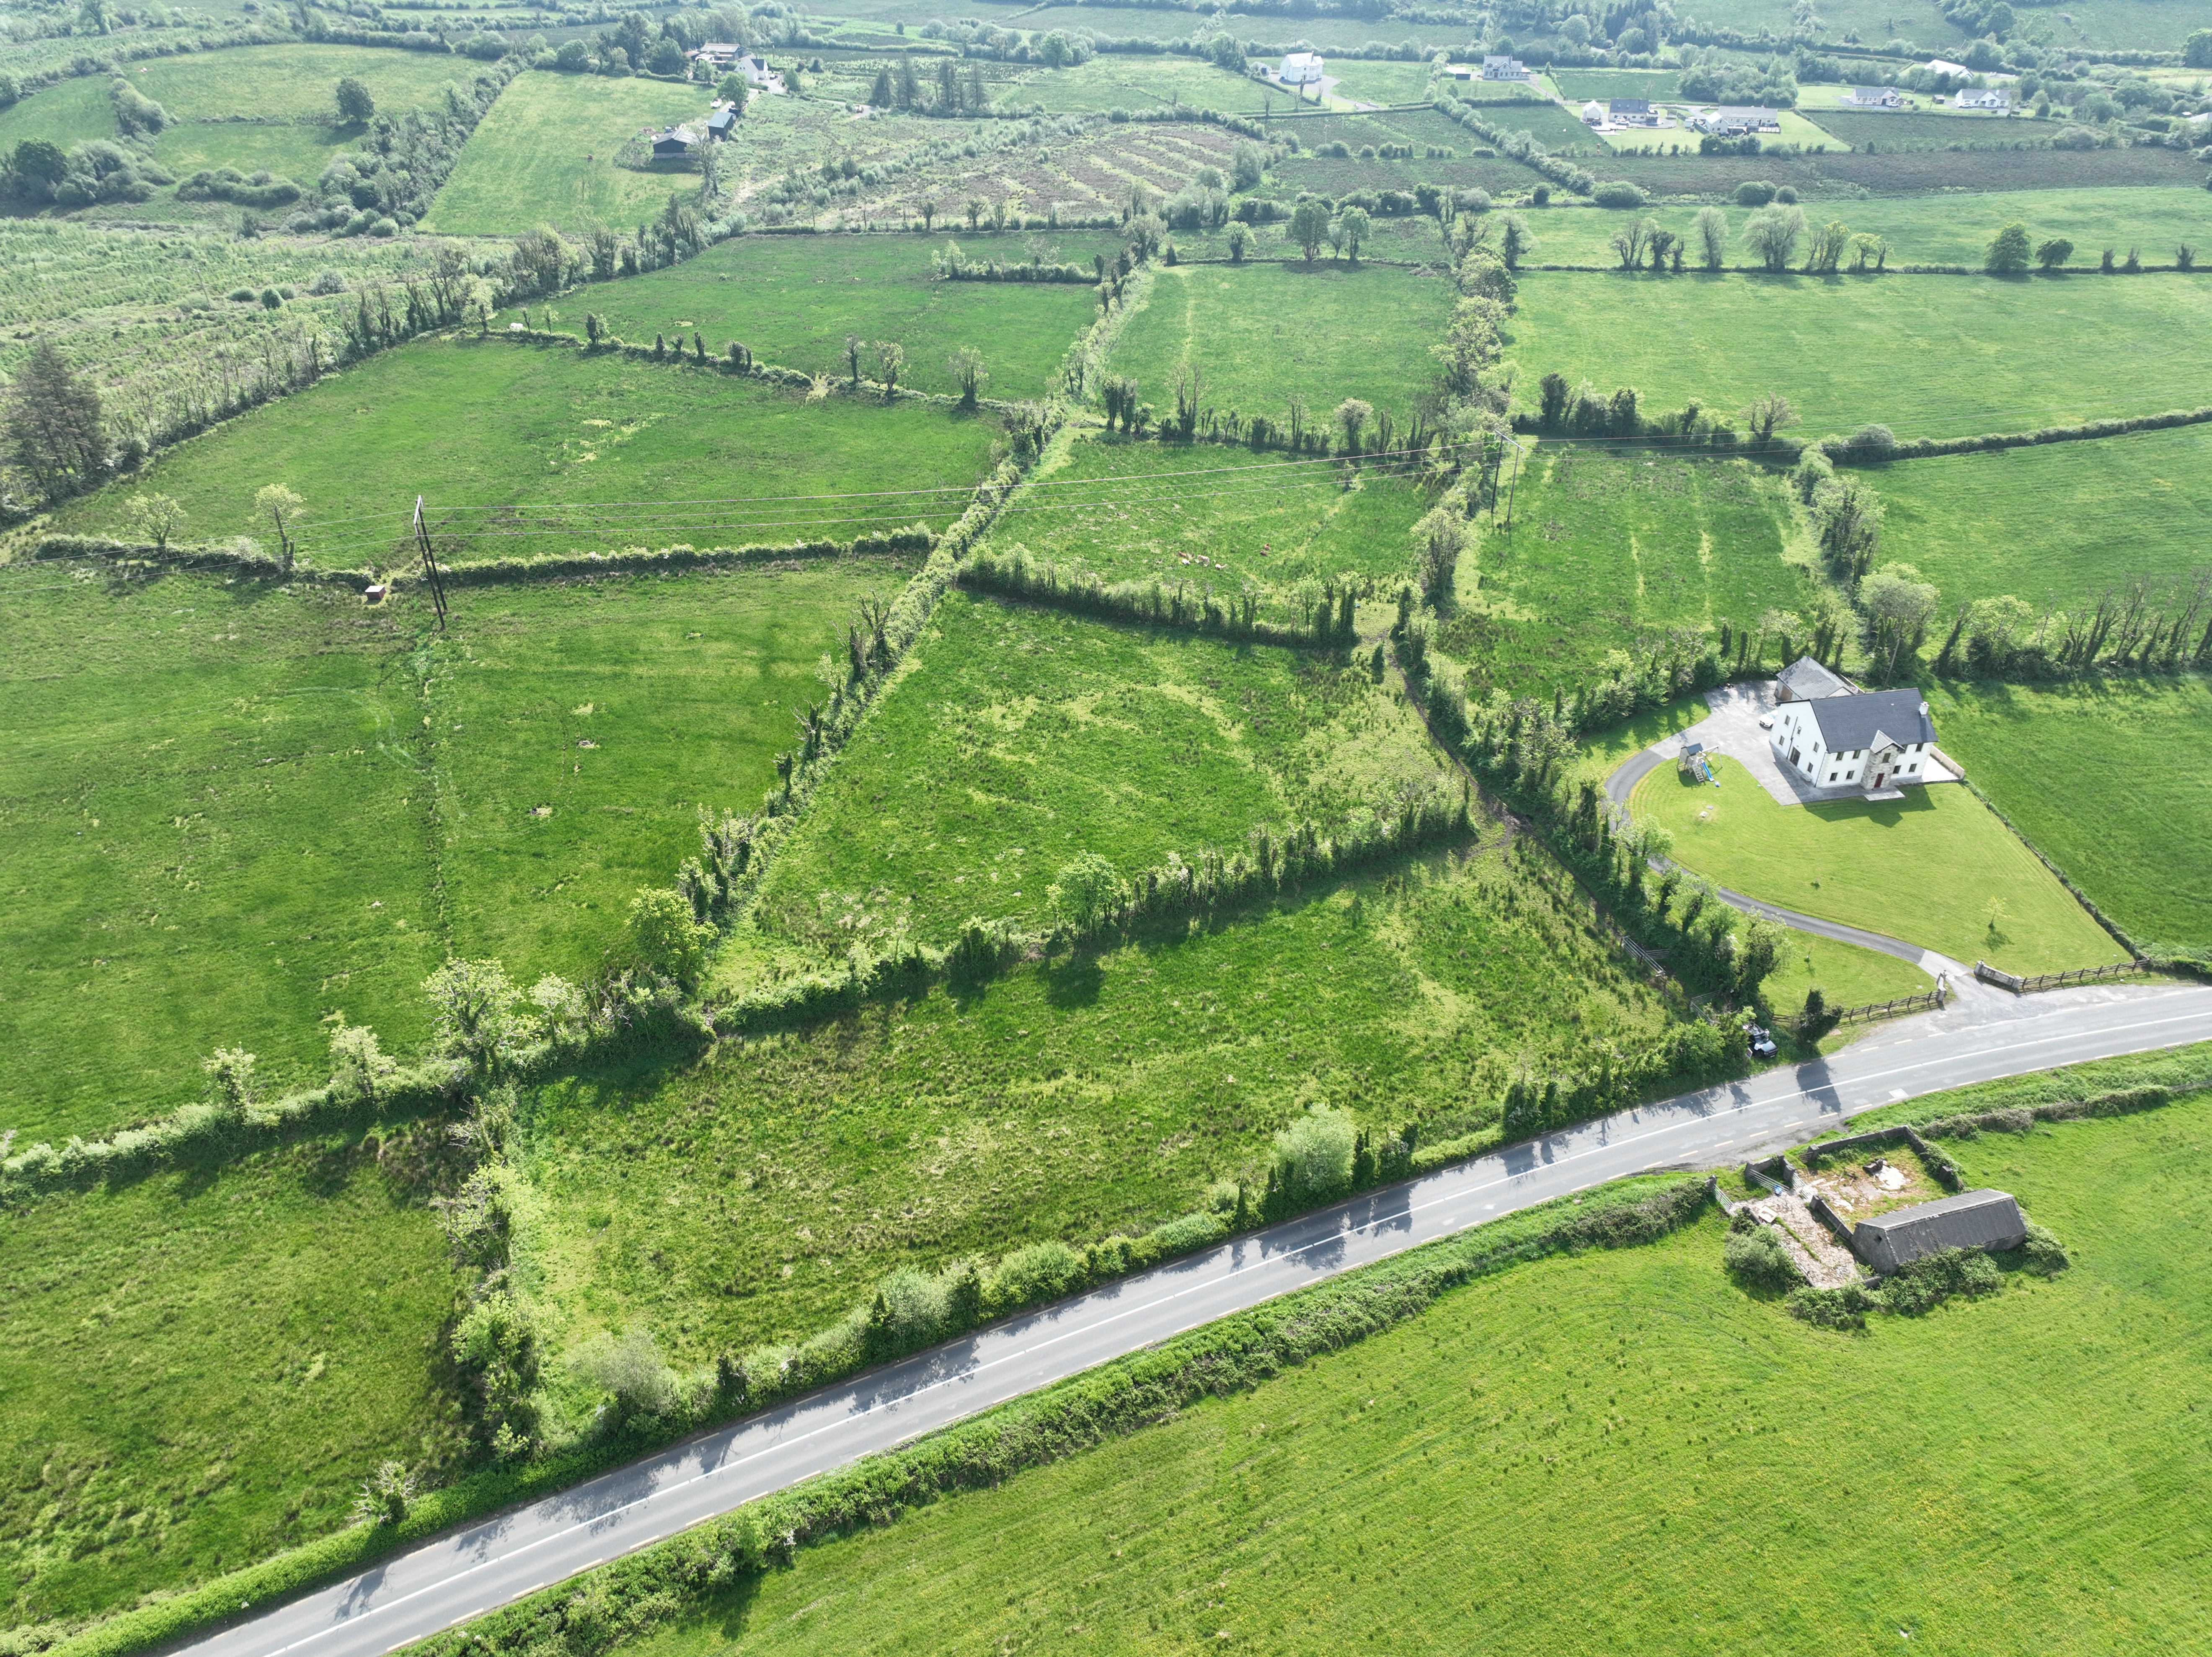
[1879, 778]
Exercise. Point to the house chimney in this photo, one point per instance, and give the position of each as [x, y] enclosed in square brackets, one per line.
[1923, 710]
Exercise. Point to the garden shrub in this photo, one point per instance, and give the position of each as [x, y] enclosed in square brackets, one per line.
[2043, 1253]
[1313, 1157]
[1619, 193]
[1755, 1256]
[1920, 1286]
[1833, 1309]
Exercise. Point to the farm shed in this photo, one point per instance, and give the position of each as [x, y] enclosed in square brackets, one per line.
[675, 140]
[1973, 1219]
[1805, 679]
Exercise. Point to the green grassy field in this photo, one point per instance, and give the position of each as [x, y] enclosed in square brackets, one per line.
[548, 425]
[1935, 229]
[2052, 525]
[1375, 81]
[1579, 1455]
[761, 1194]
[580, 728]
[73, 112]
[1020, 737]
[1606, 550]
[234, 810]
[297, 82]
[1924, 869]
[1617, 83]
[1831, 344]
[1264, 334]
[545, 154]
[1129, 510]
[201, 1367]
[1117, 82]
[793, 300]
[2090, 775]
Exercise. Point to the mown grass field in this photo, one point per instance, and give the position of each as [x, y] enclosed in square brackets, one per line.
[578, 729]
[201, 1367]
[210, 789]
[2093, 775]
[551, 425]
[1926, 356]
[1129, 510]
[762, 1192]
[1617, 83]
[1607, 550]
[296, 83]
[545, 154]
[792, 299]
[1116, 81]
[1925, 868]
[1931, 230]
[2055, 525]
[236, 811]
[1579, 1455]
[1263, 334]
[74, 111]
[1021, 737]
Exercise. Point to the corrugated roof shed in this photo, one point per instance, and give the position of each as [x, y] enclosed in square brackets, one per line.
[1973, 1219]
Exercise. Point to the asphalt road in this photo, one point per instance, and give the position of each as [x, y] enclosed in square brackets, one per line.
[452, 1578]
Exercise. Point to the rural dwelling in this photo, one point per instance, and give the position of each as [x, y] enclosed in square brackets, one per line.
[717, 54]
[1632, 111]
[1973, 1219]
[1981, 98]
[1737, 122]
[1871, 739]
[1593, 113]
[1805, 679]
[1300, 68]
[1945, 66]
[1875, 97]
[1497, 67]
[722, 123]
[673, 142]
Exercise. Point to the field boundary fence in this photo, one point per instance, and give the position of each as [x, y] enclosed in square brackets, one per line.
[2028, 986]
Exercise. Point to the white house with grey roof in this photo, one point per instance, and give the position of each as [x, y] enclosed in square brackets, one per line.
[1871, 739]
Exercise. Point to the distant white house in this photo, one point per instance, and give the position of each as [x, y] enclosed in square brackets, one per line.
[723, 56]
[1632, 111]
[1497, 67]
[1873, 97]
[1871, 739]
[1944, 66]
[1300, 68]
[1593, 113]
[1981, 98]
[1735, 121]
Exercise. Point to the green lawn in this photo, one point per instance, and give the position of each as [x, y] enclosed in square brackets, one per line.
[1266, 333]
[545, 154]
[793, 300]
[1121, 82]
[1610, 551]
[1020, 737]
[1924, 869]
[1130, 510]
[201, 1367]
[550, 425]
[1580, 1455]
[232, 810]
[2056, 525]
[2094, 775]
[1976, 360]
[1934, 229]
[761, 1194]
[579, 728]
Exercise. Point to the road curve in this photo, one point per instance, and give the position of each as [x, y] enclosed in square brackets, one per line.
[454, 1577]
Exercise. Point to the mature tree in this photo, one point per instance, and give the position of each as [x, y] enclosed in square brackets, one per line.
[1055, 51]
[1226, 53]
[2008, 251]
[966, 366]
[854, 346]
[284, 510]
[2054, 253]
[472, 1006]
[34, 169]
[1515, 242]
[1773, 233]
[1088, 891]
[1825, 251]
[664, 937]
[155, 517]
[1471, 343]
[2197, 49]
[1352, 414]
[355, 106]
[52, 424]
[358, 1061]
[631, 1369]
[1865, 249]
[890, 359]
[1848, 512]
[1897, 604]
[879, 95]
[1354, 225]
[1442, 536]
[1768, 411]
[230, 1086]
[1309, 227]
[667, 57]
[1628, 242]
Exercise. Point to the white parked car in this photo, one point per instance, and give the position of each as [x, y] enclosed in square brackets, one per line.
[1767, 722]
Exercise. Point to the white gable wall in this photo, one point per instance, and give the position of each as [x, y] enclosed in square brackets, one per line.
[1796, 744]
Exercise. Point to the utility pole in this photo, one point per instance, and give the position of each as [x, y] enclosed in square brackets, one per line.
[430, 564]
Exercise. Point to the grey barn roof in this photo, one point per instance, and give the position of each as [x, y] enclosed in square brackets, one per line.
[1806, 679]
[1973, 1219]
[1849, 722]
